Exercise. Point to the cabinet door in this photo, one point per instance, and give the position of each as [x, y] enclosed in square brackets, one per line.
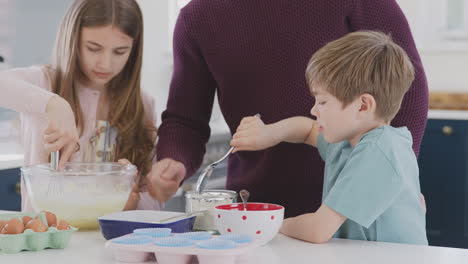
[443, 175]
[10, 193]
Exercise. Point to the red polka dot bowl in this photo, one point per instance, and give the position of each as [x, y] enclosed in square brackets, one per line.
[262, 221]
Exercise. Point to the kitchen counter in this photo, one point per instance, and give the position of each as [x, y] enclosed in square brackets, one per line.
[448, 114]
[10, 161]
[88, 247]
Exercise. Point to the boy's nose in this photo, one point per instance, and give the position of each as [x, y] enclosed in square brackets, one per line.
[313, 111]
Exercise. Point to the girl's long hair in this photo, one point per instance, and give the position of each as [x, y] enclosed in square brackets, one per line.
[136, 131]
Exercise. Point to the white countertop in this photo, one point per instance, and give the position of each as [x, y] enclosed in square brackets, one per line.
[10, 161]
[448, 114]
[11, 152]
[88, 247]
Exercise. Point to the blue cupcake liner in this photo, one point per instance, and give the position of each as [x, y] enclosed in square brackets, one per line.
[153, 232]
[216, 244]
[238, 238]
[195, 235]
[173, 242]
[133, 240]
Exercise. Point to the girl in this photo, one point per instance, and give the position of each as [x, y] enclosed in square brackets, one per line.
[88, 104]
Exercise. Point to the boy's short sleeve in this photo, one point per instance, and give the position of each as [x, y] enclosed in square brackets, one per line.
[322, 147]
[366, 187]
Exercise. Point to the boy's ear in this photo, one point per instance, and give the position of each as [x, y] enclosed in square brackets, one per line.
[367, 103]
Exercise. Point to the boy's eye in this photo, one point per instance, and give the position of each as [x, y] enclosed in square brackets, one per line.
[321, 102]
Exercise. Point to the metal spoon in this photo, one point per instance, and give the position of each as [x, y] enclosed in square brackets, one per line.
[201, 182]
[244, 194]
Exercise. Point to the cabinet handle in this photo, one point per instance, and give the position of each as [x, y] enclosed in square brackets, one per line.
[447, 130]
[18, 188]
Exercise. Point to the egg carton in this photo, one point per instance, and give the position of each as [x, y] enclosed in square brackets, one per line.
[149, 248]
[32, 241]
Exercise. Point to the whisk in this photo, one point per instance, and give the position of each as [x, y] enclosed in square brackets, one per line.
[55, 187]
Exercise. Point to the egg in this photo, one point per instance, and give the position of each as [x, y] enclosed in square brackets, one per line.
[51, 218]
[63, 225]
[36, 225]
[13, 226]
[26, 219]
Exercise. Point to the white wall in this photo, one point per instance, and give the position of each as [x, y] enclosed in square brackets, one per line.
[33, 26]
[446, 70]
[157, 58]
[157, 63]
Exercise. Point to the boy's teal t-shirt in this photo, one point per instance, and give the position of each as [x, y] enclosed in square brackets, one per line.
[375, 185]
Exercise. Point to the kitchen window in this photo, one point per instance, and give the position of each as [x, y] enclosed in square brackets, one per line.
[442, 25]
[7, 117]
[456, 19]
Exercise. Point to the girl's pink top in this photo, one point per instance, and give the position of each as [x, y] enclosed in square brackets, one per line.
[27, 91]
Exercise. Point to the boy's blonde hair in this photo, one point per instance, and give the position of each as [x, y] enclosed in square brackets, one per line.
[363, 62]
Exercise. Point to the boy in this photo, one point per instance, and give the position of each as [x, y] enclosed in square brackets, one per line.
[371, 186]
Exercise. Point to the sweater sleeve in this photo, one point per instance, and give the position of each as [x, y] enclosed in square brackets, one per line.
[185, 129]
[25, 90]
[386, 16]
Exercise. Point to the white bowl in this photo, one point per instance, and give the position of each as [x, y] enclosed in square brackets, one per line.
[261, 221]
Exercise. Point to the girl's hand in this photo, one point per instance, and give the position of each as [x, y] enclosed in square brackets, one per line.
[134, 196]
[253, 134]
[133, 199]
[61, 132]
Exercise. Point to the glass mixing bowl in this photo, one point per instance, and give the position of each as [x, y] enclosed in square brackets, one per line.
[81, 192]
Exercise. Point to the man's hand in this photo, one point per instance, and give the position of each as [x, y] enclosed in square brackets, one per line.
[165, 178]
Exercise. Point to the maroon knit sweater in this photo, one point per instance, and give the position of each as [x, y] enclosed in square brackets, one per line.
[254, 53]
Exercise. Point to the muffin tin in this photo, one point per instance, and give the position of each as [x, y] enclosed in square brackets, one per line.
[30, 240]
[180, 248]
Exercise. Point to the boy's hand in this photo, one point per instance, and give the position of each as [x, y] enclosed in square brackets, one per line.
[253, 134]
[285, 226]
[423, 203]
[134, 196]
[316, 227]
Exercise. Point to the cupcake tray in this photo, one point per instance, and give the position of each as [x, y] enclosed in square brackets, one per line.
[178, 255]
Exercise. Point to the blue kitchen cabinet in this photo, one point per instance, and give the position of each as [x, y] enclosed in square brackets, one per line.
[443, 163]
[10, 192]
